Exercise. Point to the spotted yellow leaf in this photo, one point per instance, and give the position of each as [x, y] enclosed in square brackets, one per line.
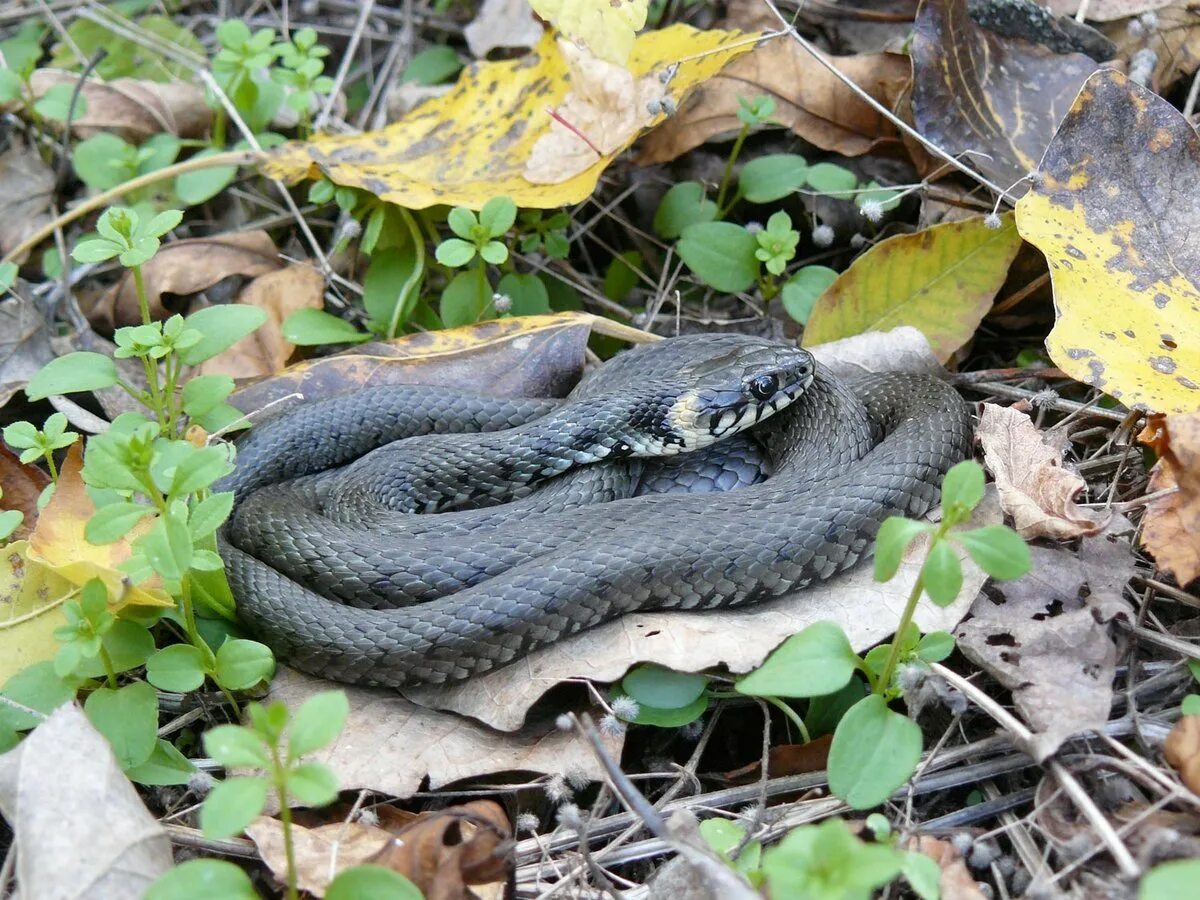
[1115, 207]
[474, 142]
[605, 27]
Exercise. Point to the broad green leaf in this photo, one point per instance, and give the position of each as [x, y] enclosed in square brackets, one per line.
[942, 574]
[313, 784]
[114, 521]
[222, 326]
[669, 718]
[940, 280]
[198, 187]
[454, 252]
[923, 874]
[166, 766]
[311, 327]
[204, 393]
[241, 664]
[205, 879]
[826, 711]
[1170, 880]
[432, 65]
[826, 861]
[72, 373]
[998, 550]
[874, 751]
[935, 646]
[682, 205]
[893, 539]
[498, 215]
[819, 660]
[660, 687]
[128, 718]
[37, 687]
[527, 293]
[829, 178]
[621, 276]
[371, 882]
[465, 298]
[772, 177]
[178, 668]
[963, 486]
[232, 805]
[207, 515]
[168, 547]
[317, 723]
[720, 254]
[235, 747]
[383, 287]
[800, 292]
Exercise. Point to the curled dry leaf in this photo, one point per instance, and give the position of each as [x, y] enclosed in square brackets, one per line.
[444, 852]
[1118, 229]
[1171, 526]
[999, 98]
[24, 343]
[27, 187]
[1175, 43]
[1035, 488]
[1182, 750]
[20, 486]
[185, 267]
[321, 852]
[502, 23]
[131, 108]
[809, 100]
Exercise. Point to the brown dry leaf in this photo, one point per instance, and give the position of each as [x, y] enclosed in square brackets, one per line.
[280, 294]
[444, 852]
[786, 759]
[1035, 488]
[1045, 636]
[809, 100]
[185, 267]
[24, 343]
[1001, 98]
[502, 23]
[131, 108]
[1182, 750]
[1171, 526]
[26, 186]
[1106, 10]
[1175, 43]
[20, 486]
[956, 881]
[321, 852]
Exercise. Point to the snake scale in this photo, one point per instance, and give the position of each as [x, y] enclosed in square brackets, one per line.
[551, 517]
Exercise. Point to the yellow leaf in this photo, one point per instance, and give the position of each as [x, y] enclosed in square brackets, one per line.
[473, 143]
[30, 609]
[58, 543]
[1114, 208]
[606, 27]
[940, 281]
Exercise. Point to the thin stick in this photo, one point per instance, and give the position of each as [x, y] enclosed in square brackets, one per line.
[339, 79]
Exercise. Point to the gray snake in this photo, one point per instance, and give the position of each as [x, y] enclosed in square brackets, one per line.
[615, 503]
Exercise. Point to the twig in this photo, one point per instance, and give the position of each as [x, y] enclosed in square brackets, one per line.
[360, 25]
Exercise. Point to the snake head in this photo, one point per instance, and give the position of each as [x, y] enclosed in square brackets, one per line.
[737, 389]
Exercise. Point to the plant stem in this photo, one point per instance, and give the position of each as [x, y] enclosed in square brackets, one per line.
[50, 465]
[110, 671]
[279, 776]
[413, 282]
[139, 285]
[733, 155]
[791, 714]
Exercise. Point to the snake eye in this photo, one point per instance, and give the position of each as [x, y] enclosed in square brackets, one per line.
[764, 386]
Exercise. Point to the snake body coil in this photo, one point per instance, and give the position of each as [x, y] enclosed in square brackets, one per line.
[616, 503]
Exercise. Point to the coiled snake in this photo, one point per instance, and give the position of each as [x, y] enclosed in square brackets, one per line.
[616, 503]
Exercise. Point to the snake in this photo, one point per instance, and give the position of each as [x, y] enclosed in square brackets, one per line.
[401, 535]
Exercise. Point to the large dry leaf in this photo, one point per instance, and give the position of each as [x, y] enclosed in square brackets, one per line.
[321, 853]
[1175, 43]
[27, 187]
[809, 100]
[1118, 229]
[185, 267]
[606, 28]
[473, 143]
[1182, 750]
[279, 294]
[132, 108]
[941, 281]
[1045, 636]
[1000, 98]
[1035, 489]
[1171, 526]
[20, 486]
[24, 343]
[30, 609]
[82, 830]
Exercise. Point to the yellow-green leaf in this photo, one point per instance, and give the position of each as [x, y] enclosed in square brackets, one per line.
[474, 143]
[30, 609]
[606, 27]
[940, 281]
[1114, 208]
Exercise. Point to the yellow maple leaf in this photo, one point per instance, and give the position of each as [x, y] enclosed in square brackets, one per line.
[474, 142]
[605, 27]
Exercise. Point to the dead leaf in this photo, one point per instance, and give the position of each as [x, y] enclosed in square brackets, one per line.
[58, 543]
[809, 100]
[502, 23]
[444, 852]
[1118, 231]
[473, 143]
[956, 881]
[321, 853]
[900, 349]
[20, 486]
[1107, 10]
[131, 108]
[82, 829]
[1045, 636]
[27, 187]
[1182, 750]
[24, 343]
[280, 294]
[786, 759]
[31, 598]
[1175, 43]
[999, 98]
[605, 29]
[1035, 488]
[1171, 525]
[186, 267]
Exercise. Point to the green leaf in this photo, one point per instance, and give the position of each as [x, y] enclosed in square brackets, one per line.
[204, 393]
[494, 252]
[772, 177]
[232, 805]
[1170, 880]
[621, 276]
[827, 862]
[128, 718]
[527, 292]
[310, 327]
[104, 160]
[1193, 666]
[317, 723]
[432, 65]
[893, 539]
[720, 254]
[1190, 705]
[129, 645]
[662, 688]
[203, 879]
[222, 326]
[682, 205]
[721, 834]
[827, 178]
[462, 221]
[37, 687]
[10, 521]
[998, 550]
[207, 515]
[668, 718]
[371, 882]
[935, 646]
[942, 573]
[465, 298]
[201, 468]
[887, 198]
[819, 660]
[59, 101]
[384, 283]
[241, 664]
[826, 711]
[178, 668]
[312, 784]
[963, 486]
[200, 186]
[235, 747]
[72, 373]
[498, 215]
[801, 291]
[924, 875]
[114, 521]
[168, 547]
[166, 766]
[454, 252]
[874, 751]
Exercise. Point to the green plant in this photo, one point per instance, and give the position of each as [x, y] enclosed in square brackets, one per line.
[41, 444]
[238, 68]
[104, 160]
[303, 63]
